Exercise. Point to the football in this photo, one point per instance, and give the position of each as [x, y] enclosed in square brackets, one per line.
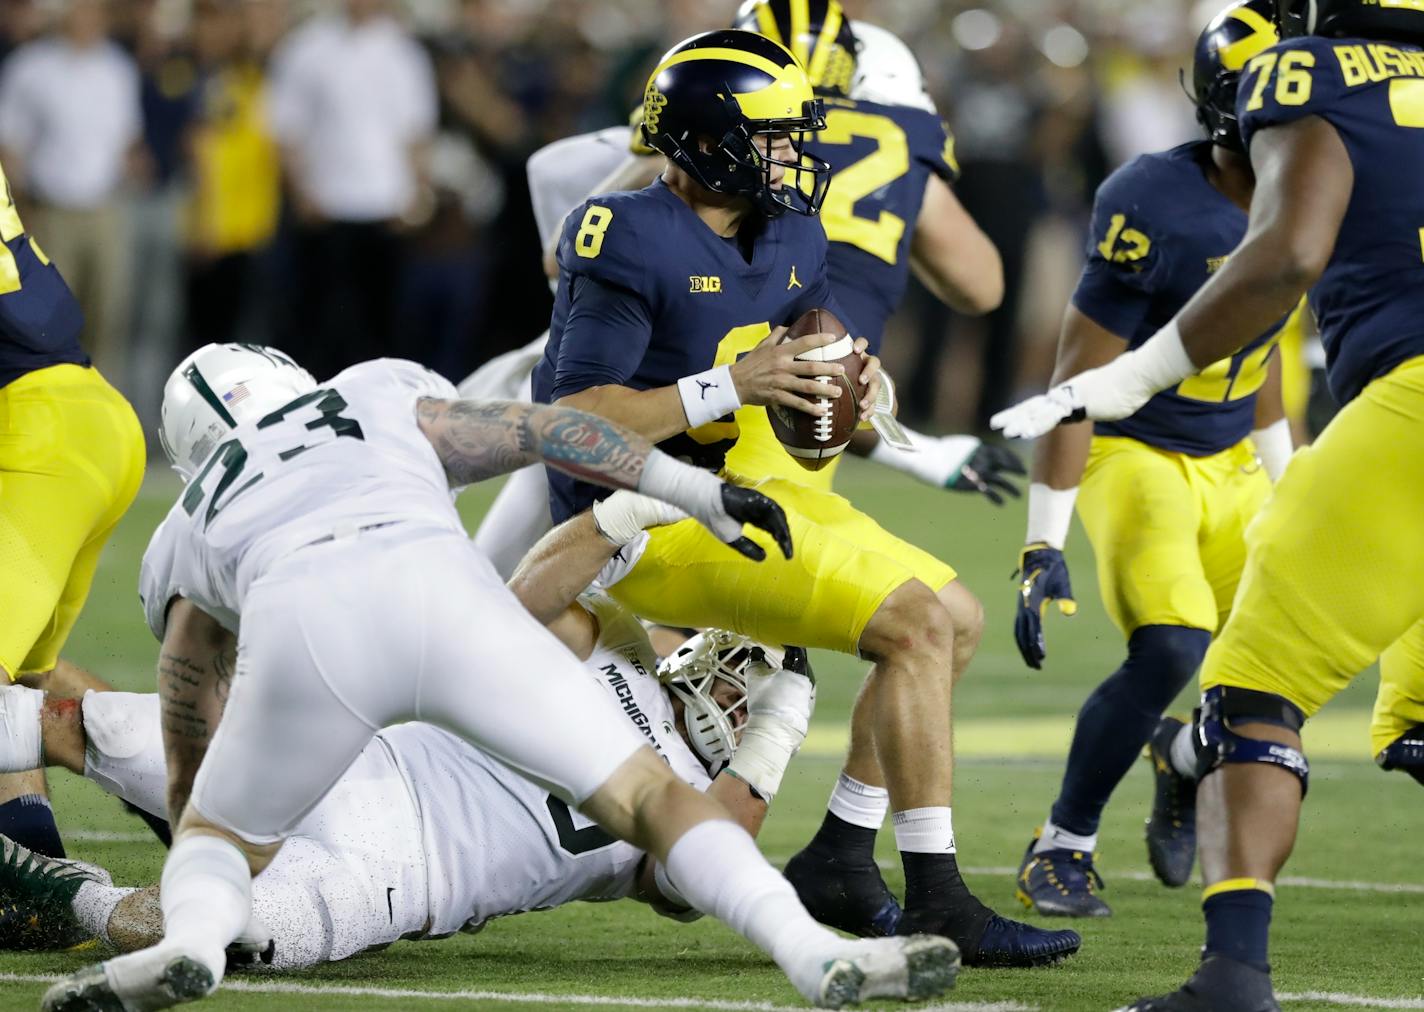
[816, 440]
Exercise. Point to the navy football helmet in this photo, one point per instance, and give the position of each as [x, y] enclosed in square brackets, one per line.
[1223, 49]
[710, 97]
[817, 32]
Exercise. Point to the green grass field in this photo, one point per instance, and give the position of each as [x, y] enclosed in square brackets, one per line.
[1347, 931]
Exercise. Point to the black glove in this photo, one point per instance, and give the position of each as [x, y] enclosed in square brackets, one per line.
[749, 506]
[1044, 578]
[984, 472]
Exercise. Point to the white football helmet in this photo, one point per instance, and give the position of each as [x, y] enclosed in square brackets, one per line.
[217, 388]
[886, 71]
[691, 673]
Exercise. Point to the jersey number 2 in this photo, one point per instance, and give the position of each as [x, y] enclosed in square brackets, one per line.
[879, 236]
[576, 840]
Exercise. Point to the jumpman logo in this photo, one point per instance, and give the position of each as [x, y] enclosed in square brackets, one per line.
[793, 282]
[705, 387]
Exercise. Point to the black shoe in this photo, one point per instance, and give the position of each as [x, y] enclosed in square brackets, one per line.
[1405, 753]
[1000, 942]
[1172, 829]
[1219, 985]
[852, 898]
[1060, 883]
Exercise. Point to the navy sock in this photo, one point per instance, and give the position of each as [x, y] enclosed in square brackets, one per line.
[1120, 715]
[1238, 926]
[29, 821]
[847, 842]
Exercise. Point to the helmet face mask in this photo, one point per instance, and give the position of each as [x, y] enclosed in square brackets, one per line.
[709, 101]
[708, 674]
[1223, 49]
[217, 388]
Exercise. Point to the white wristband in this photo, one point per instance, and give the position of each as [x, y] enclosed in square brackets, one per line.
[1273, 446]
[692, 490]
[1050, 513]
[707, 396]
[1162, 361]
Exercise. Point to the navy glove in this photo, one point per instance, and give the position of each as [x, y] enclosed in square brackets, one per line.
[1043, 576]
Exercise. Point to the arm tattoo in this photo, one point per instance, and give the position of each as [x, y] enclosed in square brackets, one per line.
[475, 441]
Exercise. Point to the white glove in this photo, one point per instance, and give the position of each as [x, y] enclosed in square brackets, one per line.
[255, 945]
[779, 705]
[624, 515]
[1104, 394]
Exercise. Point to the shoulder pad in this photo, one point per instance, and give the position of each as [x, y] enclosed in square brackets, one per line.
[1293, 79]
[605, 237]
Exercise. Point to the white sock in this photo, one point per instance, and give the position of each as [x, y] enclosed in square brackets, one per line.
[20, 739]
[124, 748]
[94, 904]
[857, 803]
[718, 869]
[1057, 838]
[1183, 753]
[925, 830]
[206, 895]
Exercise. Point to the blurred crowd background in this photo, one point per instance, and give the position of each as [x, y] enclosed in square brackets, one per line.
[345, 178]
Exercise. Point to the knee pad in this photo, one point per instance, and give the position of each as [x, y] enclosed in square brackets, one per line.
[1405, 753]
[1217, 743]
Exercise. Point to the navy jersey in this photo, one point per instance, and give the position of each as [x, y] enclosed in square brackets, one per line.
[881, 158]
[1370, 300]
[649, 294]
[40, 319]
[1160, 229]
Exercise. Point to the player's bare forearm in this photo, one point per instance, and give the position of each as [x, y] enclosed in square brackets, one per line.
[657, 414]
[951, 255]
[556, 571]
[196, 665]
[1304, 179]
[476, 440]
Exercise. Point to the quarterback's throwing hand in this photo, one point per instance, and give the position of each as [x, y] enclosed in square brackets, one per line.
[1043, 576]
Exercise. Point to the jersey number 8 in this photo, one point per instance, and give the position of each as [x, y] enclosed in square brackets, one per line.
[588, 243]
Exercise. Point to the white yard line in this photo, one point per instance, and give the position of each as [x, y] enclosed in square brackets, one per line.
[1355, 1000]
[108, 836]
[595, 1000]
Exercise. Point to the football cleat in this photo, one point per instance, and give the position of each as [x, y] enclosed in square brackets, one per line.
[851, 898]
[912, 968]
[155, 978]
[1172, 827]
[1060, 883]
[36, 897]
[1001, 942]
[1219, 985]
[1006, 943]
[1405, 753]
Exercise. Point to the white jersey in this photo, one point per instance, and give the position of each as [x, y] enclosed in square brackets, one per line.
[562, 174]
[346, 456]
[497, 843]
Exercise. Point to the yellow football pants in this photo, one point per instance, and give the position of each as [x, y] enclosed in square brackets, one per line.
[844, 567]
[1333, 562]
[71, 462]
[1168, 529]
